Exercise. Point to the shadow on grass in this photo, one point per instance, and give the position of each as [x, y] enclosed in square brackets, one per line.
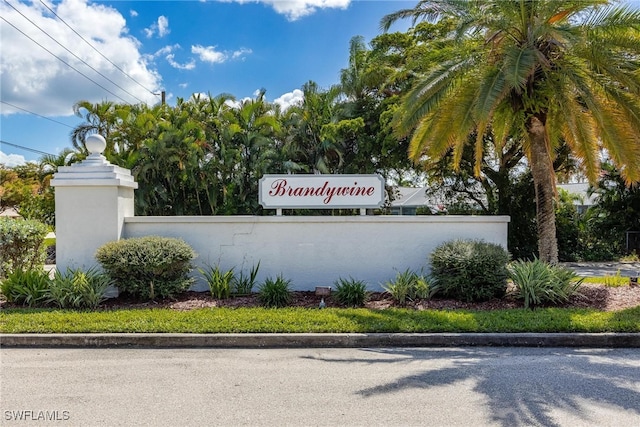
[510, 320]
[522, 386]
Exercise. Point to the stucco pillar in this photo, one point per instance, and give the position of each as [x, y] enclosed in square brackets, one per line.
[92, 199]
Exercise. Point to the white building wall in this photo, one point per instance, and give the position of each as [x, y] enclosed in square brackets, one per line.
[316, 251]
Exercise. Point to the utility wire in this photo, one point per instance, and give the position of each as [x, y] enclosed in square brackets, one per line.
[36, 114]
[94, 48]
[33, 150]
[64, 62]
[76, 56]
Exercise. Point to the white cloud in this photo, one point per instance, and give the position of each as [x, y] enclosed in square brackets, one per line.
[11, 160]
[186, 66]
[240, 53]
[39, 82]
[212, 56]
[166, 50]
[163, 26]
[160, 27]
[289, 99]
[133, 13]
[296, 9]
[208, 54]
[183, 85]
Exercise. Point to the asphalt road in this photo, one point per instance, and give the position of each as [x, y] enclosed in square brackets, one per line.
[603, 269]
[478, 386]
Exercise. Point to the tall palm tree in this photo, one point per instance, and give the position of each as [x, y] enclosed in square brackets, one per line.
[546, 70]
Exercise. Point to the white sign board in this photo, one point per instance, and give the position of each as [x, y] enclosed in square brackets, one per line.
[321, 191]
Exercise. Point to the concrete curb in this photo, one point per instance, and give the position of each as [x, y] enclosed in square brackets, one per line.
[621, 340]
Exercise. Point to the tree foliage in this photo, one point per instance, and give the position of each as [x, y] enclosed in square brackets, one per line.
[539, 71]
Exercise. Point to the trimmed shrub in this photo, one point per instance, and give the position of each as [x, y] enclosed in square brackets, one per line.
[538, 283]
[77, 288]
[275, 292]
[351, 292]
[28, 287]
[470, 270]
[148, 267]
[21, 245]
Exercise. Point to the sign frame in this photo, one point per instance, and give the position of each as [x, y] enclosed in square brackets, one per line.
[321, 191]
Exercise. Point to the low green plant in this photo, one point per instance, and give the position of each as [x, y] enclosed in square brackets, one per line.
[470, 270]
[423, 287]
[275, 293]
[409, 285]
[538, 283]
[76, 288]
[632, 257]
[243, 283]
[351, 292]
[148, 267]
[219, 281]
[26, 287]
[616, 280]
[21, 245]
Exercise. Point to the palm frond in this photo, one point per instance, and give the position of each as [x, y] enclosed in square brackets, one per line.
[519, 64]
[428, 92]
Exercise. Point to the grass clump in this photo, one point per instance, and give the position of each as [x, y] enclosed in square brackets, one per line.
[28, 287]
[409, 285]
[351, 292]
[219, 281]
[538, 283]
[275, 293]
[616, 280]
[73, 289]
[243, 283]
[76, 288]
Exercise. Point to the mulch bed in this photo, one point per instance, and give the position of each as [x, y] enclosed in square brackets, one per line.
[591, 296]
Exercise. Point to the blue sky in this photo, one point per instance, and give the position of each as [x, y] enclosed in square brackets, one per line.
[181, 47]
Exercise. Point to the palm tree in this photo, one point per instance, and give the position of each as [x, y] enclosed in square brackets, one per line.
[545, 71]
[99, 118]
[306, 142]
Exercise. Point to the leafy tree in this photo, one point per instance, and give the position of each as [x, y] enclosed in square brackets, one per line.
[26, 188]
[544, 70]
[616, 211]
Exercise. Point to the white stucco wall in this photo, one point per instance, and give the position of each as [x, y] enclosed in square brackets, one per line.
[92, 199]
[316, 251]
[87, 218]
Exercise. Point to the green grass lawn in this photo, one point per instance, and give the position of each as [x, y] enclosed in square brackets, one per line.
[245, 320]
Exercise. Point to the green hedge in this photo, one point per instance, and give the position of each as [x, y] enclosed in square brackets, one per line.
[470, 270]
[148, 267]
[21, 245]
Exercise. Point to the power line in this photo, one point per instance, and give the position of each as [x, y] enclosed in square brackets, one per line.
[76, 56]
[36, 114]
[22, 147]
[63, 61]
[94, 48]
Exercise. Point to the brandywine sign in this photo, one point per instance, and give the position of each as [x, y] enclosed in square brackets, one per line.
[321, 191]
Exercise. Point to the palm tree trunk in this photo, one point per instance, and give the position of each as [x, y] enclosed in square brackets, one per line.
[545, 184]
